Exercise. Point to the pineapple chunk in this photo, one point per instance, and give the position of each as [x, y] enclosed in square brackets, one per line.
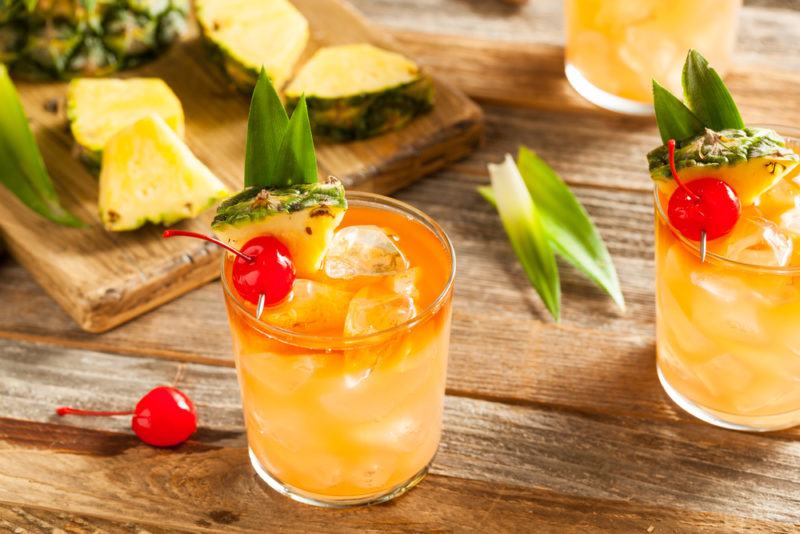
[751, 161]
[246, 34]
[150, 175]
[358, 91]
[303, 217]
[99, 108]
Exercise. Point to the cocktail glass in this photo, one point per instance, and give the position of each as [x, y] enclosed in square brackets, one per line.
[336, 420]
[614, 48]
[728, 341]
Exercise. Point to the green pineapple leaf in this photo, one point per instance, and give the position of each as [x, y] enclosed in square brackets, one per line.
[22, 168]
[569, 229]
[279, 151]
[674, 119]
[30, 5]
[266, 127]
[297, 162]
[706, 95]
[522, 221]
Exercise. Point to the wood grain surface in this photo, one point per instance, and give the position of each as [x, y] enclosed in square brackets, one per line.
[548, 427]
[103, 279]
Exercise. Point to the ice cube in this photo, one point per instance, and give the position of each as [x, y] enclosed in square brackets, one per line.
[278, 374]
[724, 375]
[623, 14]
[375, 308]
[311, 307]
[403, 433]
[406, 283]
[363, 251]
[373, 471]
[758, 241]
[652, 53]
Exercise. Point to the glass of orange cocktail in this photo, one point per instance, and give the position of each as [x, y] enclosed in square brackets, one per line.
[615, 47]
[728, 343]
[343, 382]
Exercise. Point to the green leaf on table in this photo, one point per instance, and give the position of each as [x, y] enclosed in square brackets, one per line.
[296, 158]
[674, 119]
[569, 228]
[520, 218]
[22, 168]
[267, 123]
[706, 95]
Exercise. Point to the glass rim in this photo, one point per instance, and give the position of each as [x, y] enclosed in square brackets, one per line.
[341, 342]
[792, 133]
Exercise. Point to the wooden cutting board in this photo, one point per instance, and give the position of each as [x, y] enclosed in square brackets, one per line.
[103, 279]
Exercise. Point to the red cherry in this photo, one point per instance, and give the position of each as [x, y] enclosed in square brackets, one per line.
[271, 274]
[264, 266]
[164, 417]
[707, 205]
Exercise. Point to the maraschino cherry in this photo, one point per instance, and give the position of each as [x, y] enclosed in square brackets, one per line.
[263, 268]
[164, 417]
[703, 209]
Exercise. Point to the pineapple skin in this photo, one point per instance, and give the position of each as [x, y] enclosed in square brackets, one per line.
[750, 160]
[59, 39]
[365, 115]
[303, 217]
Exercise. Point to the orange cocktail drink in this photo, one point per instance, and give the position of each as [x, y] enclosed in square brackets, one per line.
[615, 47]
[728, 339]
[343, 383]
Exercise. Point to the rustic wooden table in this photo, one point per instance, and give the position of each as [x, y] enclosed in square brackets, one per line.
[548, 427]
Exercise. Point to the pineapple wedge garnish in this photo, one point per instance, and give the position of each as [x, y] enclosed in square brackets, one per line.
[246, 34]
[99, 108]
[302, 216]
[358, 91]
[751, 161]
[150, 175]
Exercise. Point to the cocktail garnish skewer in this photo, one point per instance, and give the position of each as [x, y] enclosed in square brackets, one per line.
[703, 248]
[262, 298]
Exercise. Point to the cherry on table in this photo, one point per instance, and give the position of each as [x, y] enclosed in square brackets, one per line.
[703, 206]
[164, 417]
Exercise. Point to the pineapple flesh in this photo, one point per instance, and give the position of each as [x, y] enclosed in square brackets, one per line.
[751, 161]
[99, 108]
[246, 34]
[358, 91]
[62, 38]
[303, 217]
[150, 175]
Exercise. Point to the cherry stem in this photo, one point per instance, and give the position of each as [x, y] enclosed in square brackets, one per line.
[674, 170]
[64, 410]
[184, 233]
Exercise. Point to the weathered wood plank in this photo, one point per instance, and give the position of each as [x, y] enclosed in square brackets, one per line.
[108, 475]
[28, 519]
[576, 453]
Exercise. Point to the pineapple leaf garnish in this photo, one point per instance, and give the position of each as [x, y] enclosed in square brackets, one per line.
[707, 96]
[522, 222]
[296, 157]
[279, 151]
[22, 168]
[569, 230]
[674, 119]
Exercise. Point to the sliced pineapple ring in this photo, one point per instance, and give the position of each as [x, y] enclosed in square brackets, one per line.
[99, 108]
[357, 91]
[150, 175]
[751, 161]
[247, 34]
[303, 217]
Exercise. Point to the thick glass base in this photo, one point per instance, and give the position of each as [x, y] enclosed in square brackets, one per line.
[605, 100]
[334, 502]
[758, 423]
